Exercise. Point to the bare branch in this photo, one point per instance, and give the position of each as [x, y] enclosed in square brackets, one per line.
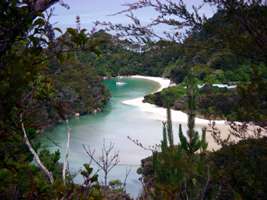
[237, 131]
[171, 13]
[66, 163]
[37, 159]
[128, 171]
[149, 148]
[107, 161]
[217, 136]
[246, 130]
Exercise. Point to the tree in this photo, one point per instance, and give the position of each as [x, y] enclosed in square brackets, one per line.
[16, 27]
[107, 161]
[237, 31]
[241, 169]
[181, 171]
[27, 46]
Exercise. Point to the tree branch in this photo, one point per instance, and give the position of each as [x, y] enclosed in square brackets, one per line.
[66, 163]
[37, 159]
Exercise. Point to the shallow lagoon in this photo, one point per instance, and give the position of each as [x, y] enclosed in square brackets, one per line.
[114, 124]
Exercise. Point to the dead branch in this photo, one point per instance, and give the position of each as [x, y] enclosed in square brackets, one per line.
[107, 161]
[66, 163]
[149, 148]
[36, 157]
[246, 130]
[128, 171]
[172, 13]
[217, 136]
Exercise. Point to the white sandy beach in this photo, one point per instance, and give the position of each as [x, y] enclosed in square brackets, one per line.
[159, 113]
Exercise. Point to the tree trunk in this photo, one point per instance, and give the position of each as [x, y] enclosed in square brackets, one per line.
[35, 155]
[65, 165]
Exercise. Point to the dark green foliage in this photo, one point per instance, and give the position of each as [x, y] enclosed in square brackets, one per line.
[51, 161]
[241, 169]
[217, 102]
[90, 187]
[236, 171]
[31, 84]
[224, 47]
[18, 19]
[169, 128]
[213, 102]
[176, 71]
[121, 57]
[183, 140]
[22, 180]
[223, 60]
[253, 98]
[46, 85]
[179, 171]
[164, 142]
[178, 174]
[216, 61]
[116, 185]
[194, 143]
[22, 61]
[79, 87]
[167, 96]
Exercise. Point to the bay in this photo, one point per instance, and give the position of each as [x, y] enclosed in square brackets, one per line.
[114, 124]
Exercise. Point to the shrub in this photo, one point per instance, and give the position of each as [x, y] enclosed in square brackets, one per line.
[241, 169]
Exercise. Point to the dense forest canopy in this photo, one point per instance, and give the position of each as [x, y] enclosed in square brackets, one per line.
[45, 80]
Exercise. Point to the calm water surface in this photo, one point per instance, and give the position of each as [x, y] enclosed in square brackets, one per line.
[114, 124]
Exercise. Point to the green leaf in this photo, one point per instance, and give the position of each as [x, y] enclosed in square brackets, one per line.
[58, 30]
[183, 140]
[39, 22]
[88, 168]
[94, 178]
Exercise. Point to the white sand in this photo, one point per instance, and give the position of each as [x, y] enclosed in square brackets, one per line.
[159, 113]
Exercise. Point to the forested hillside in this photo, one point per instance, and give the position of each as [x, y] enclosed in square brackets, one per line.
[123, 57]
[42, 82]
[48, 76]
[219, 54]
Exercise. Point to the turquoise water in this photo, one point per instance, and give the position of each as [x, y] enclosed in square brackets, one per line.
[114, 124]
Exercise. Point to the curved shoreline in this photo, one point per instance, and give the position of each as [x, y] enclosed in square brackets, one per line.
[159, 113]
